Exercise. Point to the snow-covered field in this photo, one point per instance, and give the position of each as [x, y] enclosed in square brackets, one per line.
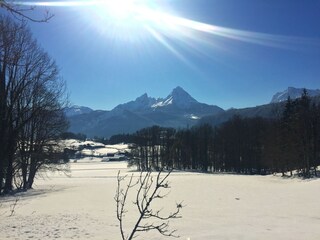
[81, 206]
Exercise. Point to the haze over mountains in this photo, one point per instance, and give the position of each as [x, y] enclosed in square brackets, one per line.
[177, 110]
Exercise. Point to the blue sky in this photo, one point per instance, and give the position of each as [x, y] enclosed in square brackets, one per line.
[108, 59]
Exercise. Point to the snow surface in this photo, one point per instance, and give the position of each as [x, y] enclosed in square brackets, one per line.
[77, 110]
[96, 149]
[163, 103]
[217, 206]
[194, 117]
[73, 143]
[178, 97]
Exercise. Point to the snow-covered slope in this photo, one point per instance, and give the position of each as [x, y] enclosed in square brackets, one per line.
[178, 97]
[93, 149]
[293, 93]
[76, 110]
[142, 103]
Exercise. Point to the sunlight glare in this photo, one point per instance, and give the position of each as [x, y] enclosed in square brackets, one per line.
[120, 9]
[131, 19]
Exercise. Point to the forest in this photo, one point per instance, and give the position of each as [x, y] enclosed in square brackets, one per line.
[290, 142]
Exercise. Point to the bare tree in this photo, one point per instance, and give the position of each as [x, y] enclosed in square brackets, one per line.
[21, 12]
[31, 104]
[149, 188]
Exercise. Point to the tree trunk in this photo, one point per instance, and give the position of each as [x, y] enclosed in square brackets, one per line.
[2, 124]
[32, 174]
[24, 175]
[9, 176]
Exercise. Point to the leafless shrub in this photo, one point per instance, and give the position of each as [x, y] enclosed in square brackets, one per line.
[149, 188]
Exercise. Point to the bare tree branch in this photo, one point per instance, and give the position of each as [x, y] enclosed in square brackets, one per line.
[148, 190]
[21, 12]
[121, 198]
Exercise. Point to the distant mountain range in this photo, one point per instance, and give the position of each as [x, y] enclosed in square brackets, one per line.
[272, 110]
[293, 93]
[177, 110]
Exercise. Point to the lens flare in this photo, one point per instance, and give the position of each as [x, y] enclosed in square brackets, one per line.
[127, 19]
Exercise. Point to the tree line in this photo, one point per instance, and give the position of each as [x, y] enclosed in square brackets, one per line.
[241, 145]
[31, 107]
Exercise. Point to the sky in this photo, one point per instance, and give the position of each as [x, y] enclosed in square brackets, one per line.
[229, 53]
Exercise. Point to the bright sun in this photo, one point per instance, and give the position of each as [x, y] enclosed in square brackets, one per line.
[123, 20]
[120, 9]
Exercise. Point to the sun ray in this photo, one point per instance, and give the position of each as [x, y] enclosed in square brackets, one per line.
[265, 39]
[168, 46]
[128, 18]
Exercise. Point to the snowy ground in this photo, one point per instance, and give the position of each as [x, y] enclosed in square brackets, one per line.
[216, 206]
[94, 149]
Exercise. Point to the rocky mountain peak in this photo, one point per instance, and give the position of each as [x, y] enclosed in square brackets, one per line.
[181, 98]
[293, 93]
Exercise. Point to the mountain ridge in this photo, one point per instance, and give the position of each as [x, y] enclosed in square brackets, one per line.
[270, 110]
[178, 109]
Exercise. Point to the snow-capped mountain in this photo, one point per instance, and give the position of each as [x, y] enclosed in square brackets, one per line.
[178, 109]
[178, 97]
[142, 103]
[293, 93]
[178, 101]
[76, 110]
[265, 111]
